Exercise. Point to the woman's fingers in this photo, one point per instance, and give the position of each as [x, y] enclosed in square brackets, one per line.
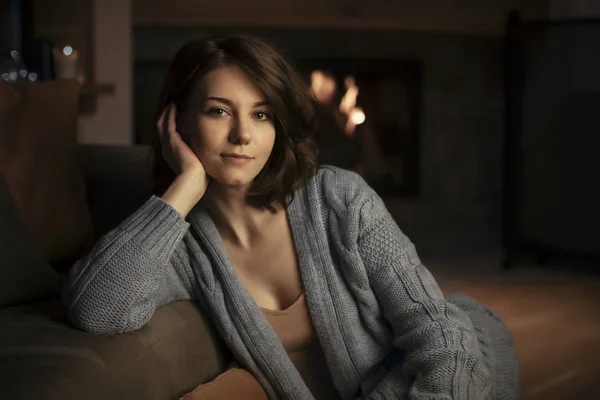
[160, 125]
[171, 126]
[175, 151]
[166, 123]
[175, 142]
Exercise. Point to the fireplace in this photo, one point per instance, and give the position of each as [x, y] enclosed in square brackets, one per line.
[369, 118]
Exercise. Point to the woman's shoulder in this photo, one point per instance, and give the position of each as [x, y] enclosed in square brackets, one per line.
[341, 185]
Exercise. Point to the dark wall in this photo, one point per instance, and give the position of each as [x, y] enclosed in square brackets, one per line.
[10, 26]
[16, 30]
[558, 169]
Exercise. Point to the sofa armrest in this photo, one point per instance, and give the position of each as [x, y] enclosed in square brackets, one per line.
[43, 357]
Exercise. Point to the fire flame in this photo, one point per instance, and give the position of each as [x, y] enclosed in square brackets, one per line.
[324, 87]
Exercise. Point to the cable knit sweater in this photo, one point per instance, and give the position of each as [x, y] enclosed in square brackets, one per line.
[367, 291]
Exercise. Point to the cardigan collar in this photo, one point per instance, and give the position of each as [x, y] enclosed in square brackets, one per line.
[260, 341]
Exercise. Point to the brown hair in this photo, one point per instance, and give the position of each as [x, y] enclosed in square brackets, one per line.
[294, 157]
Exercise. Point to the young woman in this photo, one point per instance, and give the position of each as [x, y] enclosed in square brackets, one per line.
[314, 288]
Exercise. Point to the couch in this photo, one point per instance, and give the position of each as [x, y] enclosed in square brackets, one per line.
[56, 198]
[43, 357]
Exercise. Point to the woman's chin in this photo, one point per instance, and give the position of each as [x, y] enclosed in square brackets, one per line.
[232, 182]
[233, 178]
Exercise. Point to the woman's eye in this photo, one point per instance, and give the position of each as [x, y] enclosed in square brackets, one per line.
[217, 111]
[261, 115]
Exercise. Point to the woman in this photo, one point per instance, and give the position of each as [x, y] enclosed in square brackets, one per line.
[314, 288]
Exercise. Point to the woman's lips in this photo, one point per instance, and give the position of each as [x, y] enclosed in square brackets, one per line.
[236, 155]
[236, 159]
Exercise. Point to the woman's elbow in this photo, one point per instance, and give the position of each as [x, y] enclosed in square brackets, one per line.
[101, 315]
[95, 318]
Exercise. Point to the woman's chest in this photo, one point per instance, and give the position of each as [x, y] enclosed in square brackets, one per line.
[269, 270]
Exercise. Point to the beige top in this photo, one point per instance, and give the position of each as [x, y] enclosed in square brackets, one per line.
[294, 329]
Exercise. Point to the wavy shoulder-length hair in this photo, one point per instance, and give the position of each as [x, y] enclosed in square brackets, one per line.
[294, 157]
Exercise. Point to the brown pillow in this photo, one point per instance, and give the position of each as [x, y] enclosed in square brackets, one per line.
[25, 275]
[8, 98]
[38, 161]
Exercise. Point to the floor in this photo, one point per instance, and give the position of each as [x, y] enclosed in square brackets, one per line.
[553, 313]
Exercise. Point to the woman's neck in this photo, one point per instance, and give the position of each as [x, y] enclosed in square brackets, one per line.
[238, 222]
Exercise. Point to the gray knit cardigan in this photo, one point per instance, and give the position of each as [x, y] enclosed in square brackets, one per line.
[370, 298]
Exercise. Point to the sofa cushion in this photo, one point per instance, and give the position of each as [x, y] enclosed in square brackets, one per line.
[38, 160]
[42, 357]
[235, 383]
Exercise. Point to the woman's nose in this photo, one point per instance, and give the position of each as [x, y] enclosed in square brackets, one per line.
[240, 132]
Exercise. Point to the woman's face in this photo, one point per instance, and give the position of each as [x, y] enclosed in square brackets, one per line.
[229, 125]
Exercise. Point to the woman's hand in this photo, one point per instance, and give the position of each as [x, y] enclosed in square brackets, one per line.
[175, 151]
[191, 182]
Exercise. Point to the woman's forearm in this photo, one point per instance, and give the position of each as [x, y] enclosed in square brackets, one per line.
[184, 193]
[128, 273]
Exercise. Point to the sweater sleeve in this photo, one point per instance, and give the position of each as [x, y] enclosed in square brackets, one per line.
[443, 359]
[132, 270]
